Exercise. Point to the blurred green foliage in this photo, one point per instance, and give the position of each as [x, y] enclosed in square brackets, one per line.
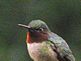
[62, 16]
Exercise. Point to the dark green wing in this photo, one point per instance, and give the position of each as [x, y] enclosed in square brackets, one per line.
[62, 49]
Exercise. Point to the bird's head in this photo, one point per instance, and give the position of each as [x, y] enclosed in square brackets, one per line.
[36, 28]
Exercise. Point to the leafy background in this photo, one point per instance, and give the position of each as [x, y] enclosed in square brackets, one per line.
[62, 16]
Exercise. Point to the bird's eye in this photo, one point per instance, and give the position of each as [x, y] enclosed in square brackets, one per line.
[41, 29]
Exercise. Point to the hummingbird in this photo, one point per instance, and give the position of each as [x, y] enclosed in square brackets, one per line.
[44, 45]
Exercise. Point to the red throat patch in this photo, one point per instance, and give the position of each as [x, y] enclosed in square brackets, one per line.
[28, 39]
[43, 37]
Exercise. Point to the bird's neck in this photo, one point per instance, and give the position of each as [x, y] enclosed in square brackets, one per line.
[41, 38]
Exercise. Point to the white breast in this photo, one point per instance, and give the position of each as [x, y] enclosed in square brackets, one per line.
[34, 50]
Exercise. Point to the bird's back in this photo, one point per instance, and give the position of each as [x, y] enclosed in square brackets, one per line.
[62, 49]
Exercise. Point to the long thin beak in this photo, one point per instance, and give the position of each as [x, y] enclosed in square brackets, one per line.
[25, 26]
